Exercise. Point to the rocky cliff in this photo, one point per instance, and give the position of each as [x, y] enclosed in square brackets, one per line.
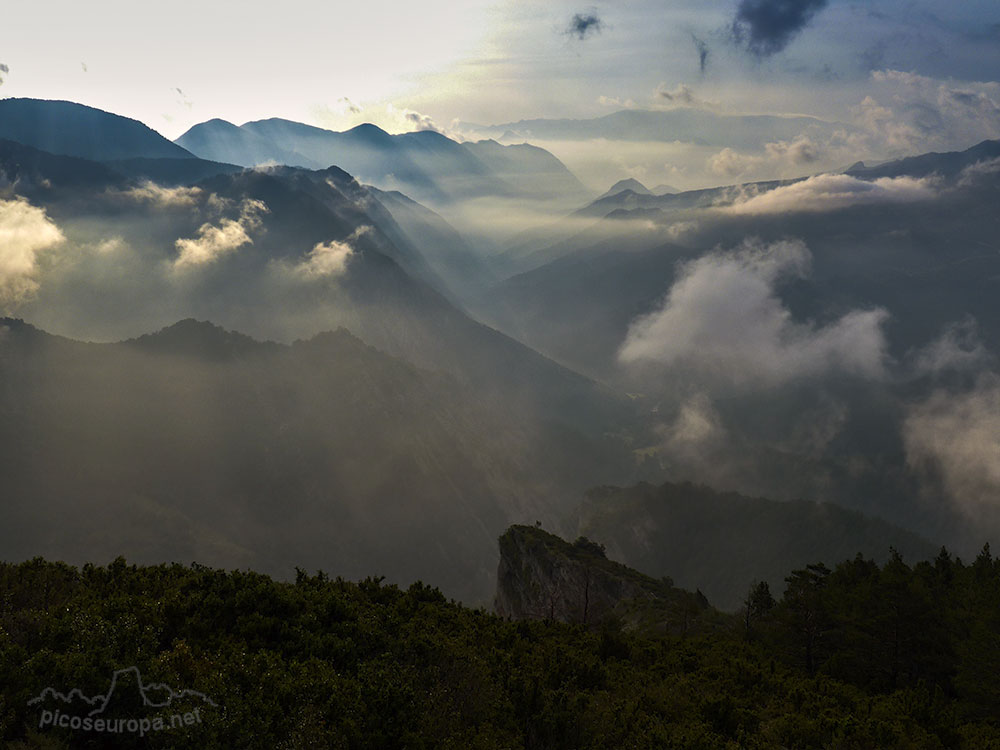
[541, 576]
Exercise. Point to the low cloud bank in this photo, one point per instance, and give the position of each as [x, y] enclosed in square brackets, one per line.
[830, 192]
[723, 320]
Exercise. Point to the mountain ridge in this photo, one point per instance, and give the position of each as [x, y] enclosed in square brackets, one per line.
[71, 129]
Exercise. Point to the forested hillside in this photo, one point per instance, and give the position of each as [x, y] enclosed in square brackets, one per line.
[856, 656]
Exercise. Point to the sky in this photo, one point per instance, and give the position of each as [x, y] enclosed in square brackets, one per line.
[911, 74]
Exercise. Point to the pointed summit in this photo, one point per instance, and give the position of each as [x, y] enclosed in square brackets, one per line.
[627, 184]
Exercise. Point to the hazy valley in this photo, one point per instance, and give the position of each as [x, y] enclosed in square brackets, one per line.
[830, 338]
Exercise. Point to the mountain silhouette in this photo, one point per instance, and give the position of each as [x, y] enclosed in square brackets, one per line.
[627, 184]
[423, 164]
[226, 142]
[71, 129]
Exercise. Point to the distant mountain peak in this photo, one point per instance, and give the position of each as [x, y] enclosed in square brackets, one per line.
[664, 189]
[370, 133]
[627, 184]
[198, 338]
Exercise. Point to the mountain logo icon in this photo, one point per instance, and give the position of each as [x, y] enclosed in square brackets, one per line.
[128, 695]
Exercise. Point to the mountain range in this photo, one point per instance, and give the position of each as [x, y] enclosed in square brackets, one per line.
[425, 164]
[198, 443]
[397, 394]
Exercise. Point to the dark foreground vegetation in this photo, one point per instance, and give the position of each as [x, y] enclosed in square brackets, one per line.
[859, 656]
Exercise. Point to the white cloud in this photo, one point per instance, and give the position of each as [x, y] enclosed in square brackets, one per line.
[325, 260]
[723, 322]
[778, 157]
[616, 102]
[214, 241]
[800, 150]
[915, 113]
[329, 259]
[974, 174]
[111, 246]
[731, 163]
[25, 232]
[957, 349]
[697, 427]
[830, 192]
[162, 197]
[958, 438]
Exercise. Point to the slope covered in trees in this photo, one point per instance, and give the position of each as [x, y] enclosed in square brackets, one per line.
[859, 656]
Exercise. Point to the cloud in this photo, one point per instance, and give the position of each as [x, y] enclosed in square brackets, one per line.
[723, 322]
[614, 101]
[830, 192]
[731, 163]
[329, 259]
[958, 349]
[919, 114]
[583, 25]
[4, 70]
[150, 193]
[765, 27]
[703, 52]
[419, 121]
[214, 241]
[801, 150]
[975, 174]
[779, 155]
[956, 437]
[25, 232]
[696, 428]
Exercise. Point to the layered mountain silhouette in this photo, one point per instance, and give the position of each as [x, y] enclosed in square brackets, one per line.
[199, 443]
[73, 129]
[388, 292]
[621, 186]
[347, 407]
[128, 147]
[911, 242]
[949, 164]
[881, 254]
[425, 164]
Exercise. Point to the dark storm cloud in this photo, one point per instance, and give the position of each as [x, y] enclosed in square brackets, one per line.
[584, 24]
[766, 27]
[702, 47]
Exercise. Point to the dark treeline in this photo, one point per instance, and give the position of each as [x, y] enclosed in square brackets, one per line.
[858, 656]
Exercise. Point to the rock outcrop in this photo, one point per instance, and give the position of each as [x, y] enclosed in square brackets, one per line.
[543, 577]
